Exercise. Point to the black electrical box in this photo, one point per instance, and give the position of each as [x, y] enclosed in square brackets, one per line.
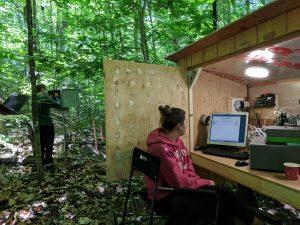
[265, 100]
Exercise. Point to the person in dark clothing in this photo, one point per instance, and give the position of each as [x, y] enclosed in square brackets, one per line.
[177, 171]
[45, 102]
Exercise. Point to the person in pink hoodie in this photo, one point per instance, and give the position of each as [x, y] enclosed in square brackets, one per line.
[177, 171]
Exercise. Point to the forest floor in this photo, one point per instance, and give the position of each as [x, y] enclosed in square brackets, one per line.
[78, 192]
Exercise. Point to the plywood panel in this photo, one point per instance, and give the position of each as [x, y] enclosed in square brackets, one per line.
[133, 92]
[271, 29]
[189, 61]
[211, 52]
[197, 58]
[226, 46]
[293, 20]
[288, 96]
[246, 39]
[211, 94]
[182, 62]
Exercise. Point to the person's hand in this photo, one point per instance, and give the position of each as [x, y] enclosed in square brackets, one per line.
[212, 183]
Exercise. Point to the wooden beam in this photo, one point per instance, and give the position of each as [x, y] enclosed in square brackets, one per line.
[261, 15]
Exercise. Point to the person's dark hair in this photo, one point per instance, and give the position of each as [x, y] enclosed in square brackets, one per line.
[39, 87]
[171, 116]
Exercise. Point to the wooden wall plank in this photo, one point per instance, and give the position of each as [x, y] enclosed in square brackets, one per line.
[133, 92]
[197, 58]
[189, 62]
[182, 62]
[293, 20]
[288, 96]
[211, 52]
[226, 46]
[246, 39]
[272, 29]
[212, 93]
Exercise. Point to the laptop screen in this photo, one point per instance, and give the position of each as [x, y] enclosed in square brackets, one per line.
[15, 102]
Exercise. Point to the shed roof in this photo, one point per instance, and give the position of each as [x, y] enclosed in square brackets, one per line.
[261, 15]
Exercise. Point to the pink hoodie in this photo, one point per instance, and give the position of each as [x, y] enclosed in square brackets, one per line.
[176, 168]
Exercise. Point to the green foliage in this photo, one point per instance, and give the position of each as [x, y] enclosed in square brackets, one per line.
[73, 37]
[232, 10]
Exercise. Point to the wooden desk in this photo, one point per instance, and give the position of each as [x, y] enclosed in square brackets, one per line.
[268, 183]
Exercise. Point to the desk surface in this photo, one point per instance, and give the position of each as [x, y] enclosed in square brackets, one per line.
[272, 184]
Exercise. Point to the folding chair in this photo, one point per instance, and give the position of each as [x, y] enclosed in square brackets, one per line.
[149, 165]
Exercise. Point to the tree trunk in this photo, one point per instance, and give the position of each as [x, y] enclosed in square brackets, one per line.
[111, 29]
[35, 27]
[135, 38]
[172, 14]
[228, 12]
[122, 43]
[215, 15]
[31, 62]
[152, 30]
[141, 8]
[144, 42]
[247, 4]
[51, 26]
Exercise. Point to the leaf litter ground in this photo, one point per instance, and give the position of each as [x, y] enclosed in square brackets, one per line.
[78, 192]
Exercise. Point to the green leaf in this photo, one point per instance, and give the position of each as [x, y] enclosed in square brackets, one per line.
[28, 198]
[12, 202]
[84, 220]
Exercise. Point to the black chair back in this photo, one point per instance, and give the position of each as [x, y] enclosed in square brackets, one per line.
[149, 165]
[146, 163]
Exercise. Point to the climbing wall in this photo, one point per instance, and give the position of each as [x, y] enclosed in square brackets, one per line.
[133, 93]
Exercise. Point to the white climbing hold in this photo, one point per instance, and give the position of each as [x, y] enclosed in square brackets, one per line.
[132, 83]
[131, 103]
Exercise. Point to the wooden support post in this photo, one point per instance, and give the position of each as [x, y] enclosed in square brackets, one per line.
[191, 110]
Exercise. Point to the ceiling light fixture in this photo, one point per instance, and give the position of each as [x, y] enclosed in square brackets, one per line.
[257, 72]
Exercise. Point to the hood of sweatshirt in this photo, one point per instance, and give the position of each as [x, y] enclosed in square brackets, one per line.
[157, 136]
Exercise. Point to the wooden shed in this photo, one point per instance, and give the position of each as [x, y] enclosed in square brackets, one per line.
[210, 73]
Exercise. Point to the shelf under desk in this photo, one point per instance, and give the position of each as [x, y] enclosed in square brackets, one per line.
[272, 184]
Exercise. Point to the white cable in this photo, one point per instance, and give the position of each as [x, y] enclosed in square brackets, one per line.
[251, 127]
[294, 111]
[255, 132]
[262, 132]
[268, 115]
[282, 110]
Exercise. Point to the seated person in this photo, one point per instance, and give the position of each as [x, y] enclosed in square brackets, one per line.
[177, 171]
